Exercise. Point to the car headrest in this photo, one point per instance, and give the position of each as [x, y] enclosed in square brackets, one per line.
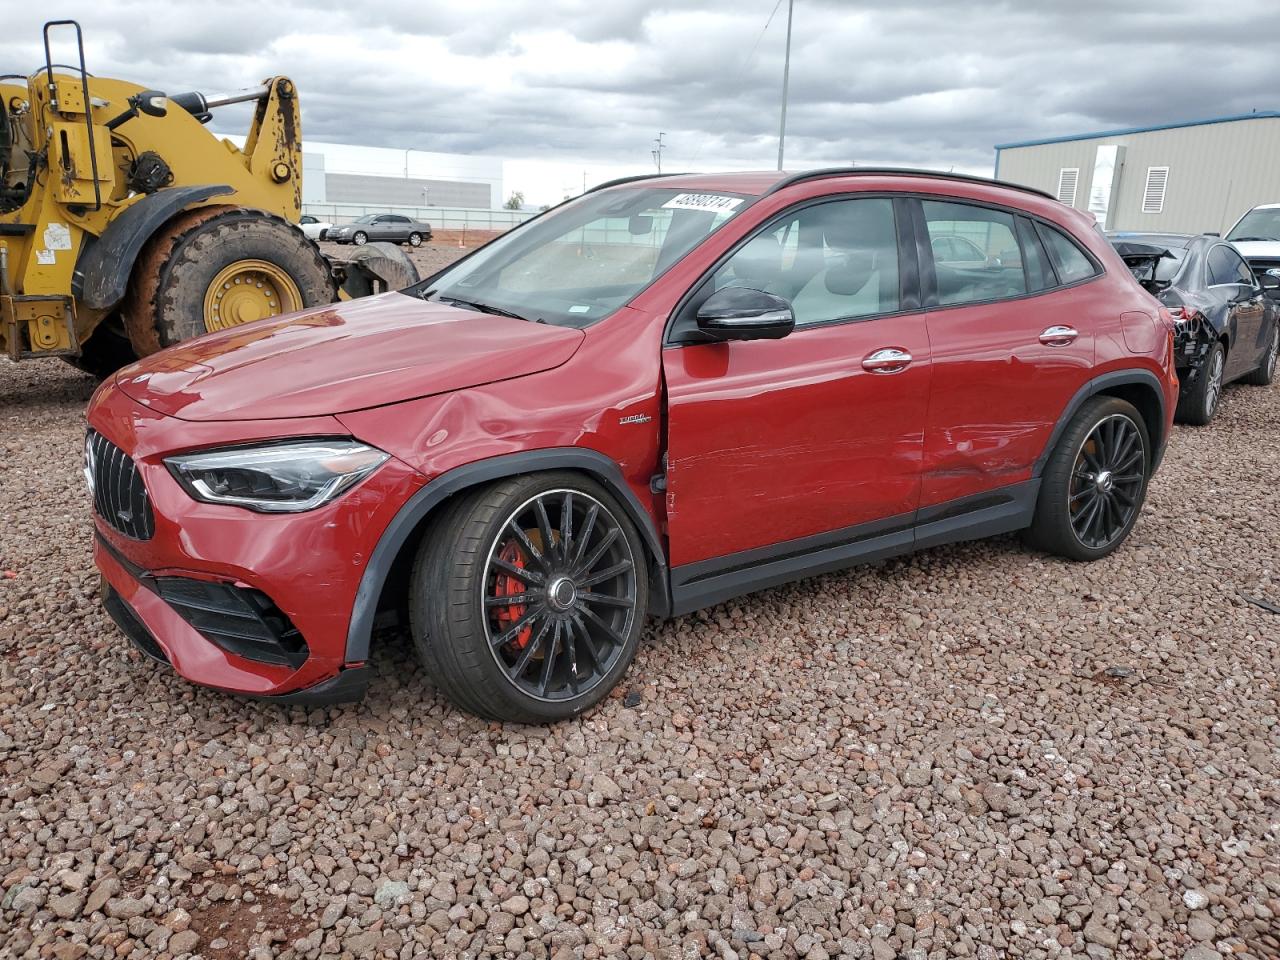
[849, 272]
[759, 262]
[847, 234]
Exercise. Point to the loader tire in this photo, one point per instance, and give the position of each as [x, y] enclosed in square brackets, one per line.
[218, 267]
[105, 352]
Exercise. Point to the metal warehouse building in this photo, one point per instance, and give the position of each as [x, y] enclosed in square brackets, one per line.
[1193, 177]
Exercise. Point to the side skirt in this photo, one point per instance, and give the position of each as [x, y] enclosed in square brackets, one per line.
[706, 583]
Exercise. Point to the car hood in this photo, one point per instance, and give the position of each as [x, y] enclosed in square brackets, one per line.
[1257, 248]
[342, 357]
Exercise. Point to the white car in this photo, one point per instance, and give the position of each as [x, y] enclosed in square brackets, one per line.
[1257, 236]
[314, 228]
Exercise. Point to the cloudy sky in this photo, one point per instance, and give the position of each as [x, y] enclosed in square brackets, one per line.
[573, 85]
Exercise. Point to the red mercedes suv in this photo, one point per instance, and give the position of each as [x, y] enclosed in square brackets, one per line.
[662, 394]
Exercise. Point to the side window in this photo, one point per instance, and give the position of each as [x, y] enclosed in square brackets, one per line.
[988, 263]
[1226, 266]
[1070, 261]
[833, 261]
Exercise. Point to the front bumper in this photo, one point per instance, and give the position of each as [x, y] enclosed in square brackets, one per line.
[305, 568]
[347, 686]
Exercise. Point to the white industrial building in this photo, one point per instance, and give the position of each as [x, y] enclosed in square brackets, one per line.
[1189, 177]
[341, 173]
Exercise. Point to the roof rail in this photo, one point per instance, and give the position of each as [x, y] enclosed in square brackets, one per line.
[632, 179]
[899, 172]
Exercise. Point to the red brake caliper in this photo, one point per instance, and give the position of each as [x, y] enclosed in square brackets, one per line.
[505, 585]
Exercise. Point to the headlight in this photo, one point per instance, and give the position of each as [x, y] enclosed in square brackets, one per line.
[281, 478]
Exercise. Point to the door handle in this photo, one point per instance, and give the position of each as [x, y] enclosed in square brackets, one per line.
[888, 360]
[1059, 336]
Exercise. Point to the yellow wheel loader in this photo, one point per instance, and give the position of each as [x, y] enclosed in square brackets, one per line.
[126, 226]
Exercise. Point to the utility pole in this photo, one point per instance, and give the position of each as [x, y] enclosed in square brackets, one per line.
[786, 83]
[657, 151]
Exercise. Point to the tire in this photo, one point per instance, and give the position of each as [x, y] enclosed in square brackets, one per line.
[175, 293]
[1112, 431]
[1198, 401]
[415, 239]
[377, 268]
[359, 238]
[463, 576]
[1266, 372]
[106, 350]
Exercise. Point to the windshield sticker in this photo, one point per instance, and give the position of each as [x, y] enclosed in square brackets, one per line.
[579, 308]
[702, 201]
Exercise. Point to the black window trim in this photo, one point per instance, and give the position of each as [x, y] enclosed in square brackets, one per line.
[929, 278]
[1027, 224]
[910, 300]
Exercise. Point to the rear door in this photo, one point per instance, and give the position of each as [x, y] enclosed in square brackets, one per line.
[772, 443]
[1231, 282]
[1011, 341]
[396, 227]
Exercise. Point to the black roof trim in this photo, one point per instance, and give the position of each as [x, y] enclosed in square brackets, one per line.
[632, 179]
[899, 172]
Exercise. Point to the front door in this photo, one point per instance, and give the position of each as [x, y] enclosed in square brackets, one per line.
[771, 442]
[1231, 283]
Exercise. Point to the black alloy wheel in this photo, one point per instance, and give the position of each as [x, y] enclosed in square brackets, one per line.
[1094, 482]
[560, 594]
[1198, 397]
[1107, 482]
[1213, 382]
[529, 597]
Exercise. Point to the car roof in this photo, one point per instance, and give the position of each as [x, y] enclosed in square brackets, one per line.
[762, 182]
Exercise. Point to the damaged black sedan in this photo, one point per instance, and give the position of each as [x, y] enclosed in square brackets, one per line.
[1227, 320]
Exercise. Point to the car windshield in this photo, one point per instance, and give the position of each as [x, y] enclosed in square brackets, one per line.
[367, 218]
[586, 259]
[1260, 224]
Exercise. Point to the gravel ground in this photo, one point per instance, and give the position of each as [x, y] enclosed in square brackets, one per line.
[974, 752]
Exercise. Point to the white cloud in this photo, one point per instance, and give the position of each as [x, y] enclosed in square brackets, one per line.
[558, 86]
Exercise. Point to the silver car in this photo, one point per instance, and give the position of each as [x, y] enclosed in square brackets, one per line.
[381, 226]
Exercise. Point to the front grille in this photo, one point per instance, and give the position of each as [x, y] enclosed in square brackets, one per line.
[119, 496]
[1262, 264]
[240, 620]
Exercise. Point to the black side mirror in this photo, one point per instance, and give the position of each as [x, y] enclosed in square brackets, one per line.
[741, 313]
[1270, 284]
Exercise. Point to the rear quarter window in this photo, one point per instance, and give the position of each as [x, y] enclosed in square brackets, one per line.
[1071, 262]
